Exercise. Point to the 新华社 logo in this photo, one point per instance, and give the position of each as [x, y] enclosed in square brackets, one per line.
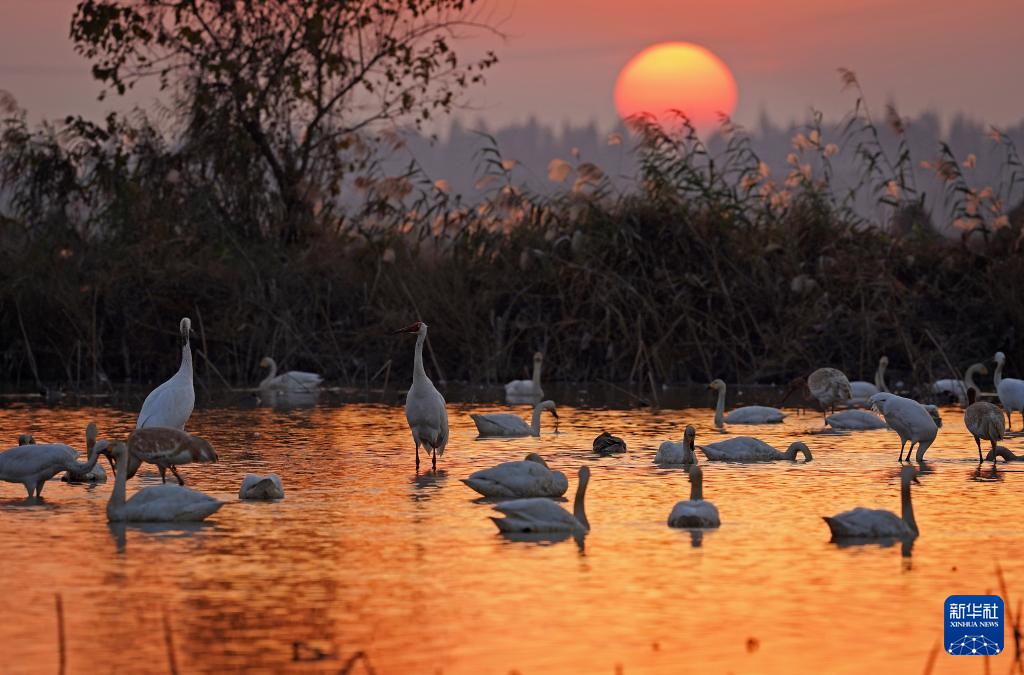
[974, 625]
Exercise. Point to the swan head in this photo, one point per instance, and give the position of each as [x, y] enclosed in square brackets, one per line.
[419, 328]
[884, 361]
[538, 357]
[26, 439]
[801, 448]
[550, 407]
[716, 385]
[999, 358]
[534, 457]
[266, 362]
[689, 436]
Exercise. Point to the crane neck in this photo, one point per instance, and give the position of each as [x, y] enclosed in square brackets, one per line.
[186, 360]
[419, 375]
[998, 377]
[720, 409]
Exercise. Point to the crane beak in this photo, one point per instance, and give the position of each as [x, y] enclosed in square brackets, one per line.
[414, 328]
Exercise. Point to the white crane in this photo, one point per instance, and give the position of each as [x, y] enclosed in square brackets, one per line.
[295, 381]
[543, 515]
[155, 504]
[530, 477]
[854, 420]
[695, 511]
[958, 388]
[33, 465]
[828, 385]
[751, 414]
[984, 420]
[909, 419]
[862, 390]
[1010, 390]
[862, 523]
[670, 452]
[748, 449]
[424, 406]
[509, 425]
[171, 404]
[261, 487]
[527, 391]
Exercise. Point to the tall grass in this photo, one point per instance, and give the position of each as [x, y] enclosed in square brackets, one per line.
[710, 266]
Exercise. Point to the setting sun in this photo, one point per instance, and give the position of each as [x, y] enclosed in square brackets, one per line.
[676, 76]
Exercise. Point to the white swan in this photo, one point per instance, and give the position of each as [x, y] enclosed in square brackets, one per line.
[827, 385]
[855, 420]
[958, 389]
[695, 512]
[984, 420]
[164, 447]
[33, 465]
[748, 449]
[424, 406]
[507, 424]
[751, 414]
[671, 452]
[861, 523]
[543, 515]
[171, 404]
[527, 390]
[606, 444]
[261, 487]
[291, 381]
[155, 504]
[530, 477]
[862, 390]
[1010, 390]
[94, 475]
[909, 419]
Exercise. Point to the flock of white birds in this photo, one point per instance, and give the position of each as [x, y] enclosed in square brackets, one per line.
[527, 488]
[531, 486]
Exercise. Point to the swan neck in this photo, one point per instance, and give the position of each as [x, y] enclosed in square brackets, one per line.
[908, 507]
[578, 509]
[720, 408]
[418, 373]
[87, 466]
[880, 378]
[271, 373]
[969, 378]
[696, 487]
[536, 373]
[535, 423]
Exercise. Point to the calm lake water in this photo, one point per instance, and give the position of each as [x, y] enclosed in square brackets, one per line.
[367, 555]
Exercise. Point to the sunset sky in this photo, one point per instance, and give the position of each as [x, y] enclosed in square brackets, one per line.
[560, 59]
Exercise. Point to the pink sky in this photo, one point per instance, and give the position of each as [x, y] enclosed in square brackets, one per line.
[560, 59]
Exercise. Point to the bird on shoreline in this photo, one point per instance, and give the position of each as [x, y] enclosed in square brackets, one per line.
[425, 408]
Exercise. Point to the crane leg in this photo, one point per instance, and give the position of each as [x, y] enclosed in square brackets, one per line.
[978, 441]
[417, 455]
[902, 446]
[163, 474]
[39, 488]
[433, 458]
[174, 470]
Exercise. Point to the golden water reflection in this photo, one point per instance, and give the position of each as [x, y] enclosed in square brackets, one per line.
[367, 555]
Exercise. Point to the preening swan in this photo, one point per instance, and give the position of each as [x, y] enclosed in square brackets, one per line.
[507, 424]
[155, 504]
[530, 477]
[751, 414]
[606, 444]
[828, 385]
[424, 406]
[861, 523]
[855, 420]
[543, 515]
[1010, 390]
[292, 381]
[671, 452]
[170, 404]
[261, 487]
[166, 448]
[748, 449]
[984, 420]
[909, 419]
[33, 465]
[862, 390]
[958, 389]
[94, 475]
[694, 512]
[519, 391]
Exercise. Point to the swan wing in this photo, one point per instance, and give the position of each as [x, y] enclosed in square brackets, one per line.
[855, 420]
[169, 503]
[261, 487]
[691, 513]
[755, 414]
[534, 515]
[861, 523]
[741, 449]
[523, 389]
[501, 424]
[863, 390]
[518, 479]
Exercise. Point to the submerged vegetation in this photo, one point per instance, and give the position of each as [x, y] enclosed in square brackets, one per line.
[708, 265]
